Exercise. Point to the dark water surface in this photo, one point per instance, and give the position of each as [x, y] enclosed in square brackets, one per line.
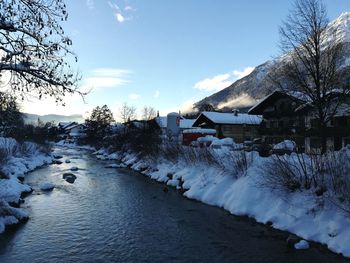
[114, 215]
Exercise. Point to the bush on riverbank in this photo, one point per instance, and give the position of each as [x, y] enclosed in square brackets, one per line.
[10, 148]
[326, 175]
[143, 139]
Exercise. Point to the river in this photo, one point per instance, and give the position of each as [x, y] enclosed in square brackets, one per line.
[116, 215]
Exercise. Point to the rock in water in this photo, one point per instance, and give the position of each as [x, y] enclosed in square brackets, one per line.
[57, 156]
[47, 187]
[69, 177]
[74, 168]
[302, 244]
[67, 161]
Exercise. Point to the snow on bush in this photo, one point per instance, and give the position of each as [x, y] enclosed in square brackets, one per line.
[285, 145]
[16, 159]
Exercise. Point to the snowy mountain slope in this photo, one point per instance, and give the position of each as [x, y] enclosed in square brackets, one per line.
[246, 91]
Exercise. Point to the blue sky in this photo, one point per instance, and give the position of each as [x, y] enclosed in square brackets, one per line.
[168, 54]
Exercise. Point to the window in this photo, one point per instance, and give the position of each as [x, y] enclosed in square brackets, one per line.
[282, 106]
[342, 121]
[273, 124]
[315, 143]
[314, 123]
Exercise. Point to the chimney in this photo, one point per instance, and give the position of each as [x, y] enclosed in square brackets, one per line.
[235, 112]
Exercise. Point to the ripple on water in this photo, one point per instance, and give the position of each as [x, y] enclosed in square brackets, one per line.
[120, 216]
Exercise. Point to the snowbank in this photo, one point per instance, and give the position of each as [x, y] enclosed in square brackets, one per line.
[300, 212]
[21, 159]
[285, 145]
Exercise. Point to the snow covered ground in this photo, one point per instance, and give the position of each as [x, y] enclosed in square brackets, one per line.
[300, 212]
[21, 159]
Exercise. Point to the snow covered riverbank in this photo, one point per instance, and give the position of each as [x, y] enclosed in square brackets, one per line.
[314, 218]
[15, 161]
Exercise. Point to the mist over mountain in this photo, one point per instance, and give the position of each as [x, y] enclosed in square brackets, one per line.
[33, 118]
[246, 91]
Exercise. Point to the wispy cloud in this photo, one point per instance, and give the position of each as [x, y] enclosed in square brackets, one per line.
[222, 81]
[134, 96]
[107, 78]
[156, 94]
[122, 10]
[90, 4]
[215, 83]
[245, 72]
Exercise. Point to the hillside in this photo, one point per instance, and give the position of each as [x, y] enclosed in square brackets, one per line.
[246, 91]
[33, 118]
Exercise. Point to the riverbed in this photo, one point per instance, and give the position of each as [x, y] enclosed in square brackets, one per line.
[117, 215]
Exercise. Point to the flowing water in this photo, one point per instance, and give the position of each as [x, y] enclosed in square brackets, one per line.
[116, 215]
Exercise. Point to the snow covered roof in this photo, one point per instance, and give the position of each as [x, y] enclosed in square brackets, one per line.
[186, 123]
[74, 125]
[64, 125]
[201, 131]
[231, 118]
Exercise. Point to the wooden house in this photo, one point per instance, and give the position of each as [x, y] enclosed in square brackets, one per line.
[238, 126]
[280, 119]
[337, 130]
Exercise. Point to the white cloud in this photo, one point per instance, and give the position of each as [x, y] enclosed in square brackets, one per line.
[122, 11]
[185, 107]
[222, 81]
[216, 83]
[156, 94]
[129, 8]
[245, 72]
[90, 4]
[134, 96]
[120, 17]
[74, 104]
[106, 78]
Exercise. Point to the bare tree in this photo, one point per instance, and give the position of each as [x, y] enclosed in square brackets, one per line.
[148, 113]
[34, 49]
[312, 64]
[127, 113]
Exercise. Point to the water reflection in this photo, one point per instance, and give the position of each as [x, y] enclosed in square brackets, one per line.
[113, 215]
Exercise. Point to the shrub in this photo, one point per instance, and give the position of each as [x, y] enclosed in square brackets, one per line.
[287, 172]
[238, 162]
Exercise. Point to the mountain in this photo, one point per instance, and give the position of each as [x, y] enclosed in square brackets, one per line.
[247, 91]
[33, 118]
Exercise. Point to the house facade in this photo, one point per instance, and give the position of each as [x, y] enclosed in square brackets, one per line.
[337, 130]
[238, 126]
[281, 121]
[291, 117]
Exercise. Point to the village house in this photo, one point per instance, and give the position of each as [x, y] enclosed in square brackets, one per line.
[280, 119]
[72, 130]
[291, 117]
[240, 127]
[337, 130]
